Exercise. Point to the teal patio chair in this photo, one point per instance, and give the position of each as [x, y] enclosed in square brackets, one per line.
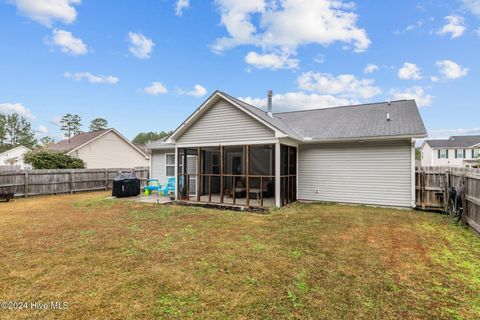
[169, 187]
[152, 185]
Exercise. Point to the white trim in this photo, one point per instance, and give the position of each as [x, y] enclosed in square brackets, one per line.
[233, 143]
[413, 204]
[306, 141]
[208, 103]
[119, 134]
[278, 201]
[169, 165]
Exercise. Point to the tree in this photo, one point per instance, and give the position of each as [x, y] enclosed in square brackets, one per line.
[18, 131]
[98, 124]
[71, 124]
[3, 133]
[418, 154]
[46, 141]
[147, 137]
[44, 159]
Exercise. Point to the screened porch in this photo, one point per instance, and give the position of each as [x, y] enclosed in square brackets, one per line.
[243, 175]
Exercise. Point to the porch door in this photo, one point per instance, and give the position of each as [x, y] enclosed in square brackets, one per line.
[192, 171]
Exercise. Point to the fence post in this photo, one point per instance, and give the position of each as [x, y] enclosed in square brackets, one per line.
[26, 184]
[465, 200]
[422, 190]
[106, 179]
[72, 181]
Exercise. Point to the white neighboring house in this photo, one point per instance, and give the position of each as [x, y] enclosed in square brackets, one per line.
[456, 151]
[14, 158]
[104, 149]
[230, 152]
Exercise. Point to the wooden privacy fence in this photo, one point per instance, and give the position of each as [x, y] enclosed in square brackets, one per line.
[433, 183]
[42, 182]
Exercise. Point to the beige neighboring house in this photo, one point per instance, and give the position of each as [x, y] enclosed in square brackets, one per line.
[13, 158]
[104, 149]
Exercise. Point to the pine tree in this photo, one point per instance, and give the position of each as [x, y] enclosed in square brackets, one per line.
[71, 124]
[19, 132]
[98, 124]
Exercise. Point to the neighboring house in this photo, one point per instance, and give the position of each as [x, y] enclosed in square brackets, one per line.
[229, 152]
[456, 151]
[14, 158]
[103, 149]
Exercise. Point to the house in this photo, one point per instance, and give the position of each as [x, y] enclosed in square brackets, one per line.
[103, 149]
[231, 153]
[456, 151]
[13, 158]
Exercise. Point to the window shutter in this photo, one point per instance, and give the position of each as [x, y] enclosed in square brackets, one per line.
[464, 153]
[456, 153]
[439, 154]
[447, 153]
[473, 154]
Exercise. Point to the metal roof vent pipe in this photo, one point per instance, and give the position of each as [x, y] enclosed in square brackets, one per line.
[269, 102]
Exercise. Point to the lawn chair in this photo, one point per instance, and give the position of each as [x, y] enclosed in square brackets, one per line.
[170, 187]
[152, 185]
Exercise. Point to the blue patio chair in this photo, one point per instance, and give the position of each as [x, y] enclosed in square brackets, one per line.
[152, 185]
[169, 187]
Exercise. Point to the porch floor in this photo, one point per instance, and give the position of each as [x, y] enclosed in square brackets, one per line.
[267, 202]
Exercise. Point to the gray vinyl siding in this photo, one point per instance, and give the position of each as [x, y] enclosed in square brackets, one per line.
[377, 173]
[224, 122]
[158, 165]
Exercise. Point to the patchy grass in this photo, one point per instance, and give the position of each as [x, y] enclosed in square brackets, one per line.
[121, 260]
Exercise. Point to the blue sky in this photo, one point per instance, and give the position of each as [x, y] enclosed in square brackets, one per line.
[146, 65]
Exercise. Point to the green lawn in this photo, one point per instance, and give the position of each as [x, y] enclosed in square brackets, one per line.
[112, 259]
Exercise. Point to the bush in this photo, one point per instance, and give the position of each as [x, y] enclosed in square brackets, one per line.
[52, 160]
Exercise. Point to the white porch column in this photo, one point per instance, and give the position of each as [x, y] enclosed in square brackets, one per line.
[176, 173]
[278, 202]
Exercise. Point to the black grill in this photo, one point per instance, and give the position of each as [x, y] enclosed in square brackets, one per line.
[126, 185]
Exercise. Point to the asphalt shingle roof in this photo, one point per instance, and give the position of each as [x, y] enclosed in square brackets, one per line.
[76, 141]
[357, 121]
[454, 142]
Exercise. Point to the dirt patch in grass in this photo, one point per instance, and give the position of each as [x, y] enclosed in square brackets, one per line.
[122, 260]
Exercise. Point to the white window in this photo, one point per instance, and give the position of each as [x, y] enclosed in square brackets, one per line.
[442, 154]
[170, 164]
[475, 153]
[459, 153]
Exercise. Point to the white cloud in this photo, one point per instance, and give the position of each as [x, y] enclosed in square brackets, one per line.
[18, 108]
[271, 61]
[289, 24]
[292, 101]
[180, 6]
[198, 91]
[370, 68]
[68, 43]
[473, 6]
[418, 93]
[409, 71]
[56, 120]
[140, 46]
[344, 85]
[451, 70]
[46, 12]
[320, 58]
[155, 89]
[91, 77]
[41, 129]
[455, 26]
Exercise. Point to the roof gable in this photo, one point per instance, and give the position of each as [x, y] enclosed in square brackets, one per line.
[209, 103]
[83, 139]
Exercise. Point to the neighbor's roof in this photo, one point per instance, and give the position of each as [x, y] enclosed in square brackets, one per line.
[357, 121]
[454, 142]
[160, 144]
[75, 142]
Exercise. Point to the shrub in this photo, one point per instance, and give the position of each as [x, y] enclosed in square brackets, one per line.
[43, 159]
